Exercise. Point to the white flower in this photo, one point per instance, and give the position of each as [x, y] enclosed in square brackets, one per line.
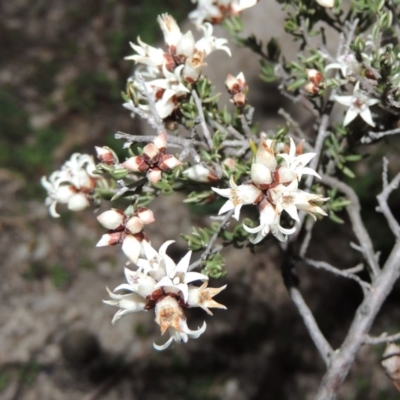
[73, 184]
[177, 276]
[203, 297]
[358, 104]
[238, 196]
[216, 10]
[269, 222]
[347, 64]
[297, 163]
[170, 317]
[291, 199]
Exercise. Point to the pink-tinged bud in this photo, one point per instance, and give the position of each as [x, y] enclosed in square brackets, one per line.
[78, 202]
[150, 152]
[260, 174]
[154, 175]
[135, 164]
[311, 88]
[235, 85]
[111, 219]
[229, 163]
[239, 99]
[110, 239]
[131, 248]
[314, 76]
[199, 173]
[145, 215]
[167, 161]
[231, 84]
[160, 141]
[134, 225]
[105, 155]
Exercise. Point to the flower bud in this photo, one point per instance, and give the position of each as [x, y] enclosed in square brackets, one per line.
[326, 3]
[105, 155]
[239, 99]
[111, 219]
[260, 174]
[160, 141]
[154, 175]
[199, 173]
[145, 215]
[110, 239]
[314, 76]
[131, 248]
[134, 225]
[168, 161]
[135, 164]
[78, 202]
[150, 152]
[311, 88]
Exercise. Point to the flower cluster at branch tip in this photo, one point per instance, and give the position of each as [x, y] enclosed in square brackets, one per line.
[160, 284]
[74, 184]
[274, 189]
[215, 11]
[167, 73]
[237, 88]
[126, 229]
[153, 161]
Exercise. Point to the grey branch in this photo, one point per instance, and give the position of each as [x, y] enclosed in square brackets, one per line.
[345, 274]
[384, 207]
[342, 360]
[324, 348]
[361, 233]
[383, 338]
[172, 141]
[203, 124]
[209, 248]
[378, 135]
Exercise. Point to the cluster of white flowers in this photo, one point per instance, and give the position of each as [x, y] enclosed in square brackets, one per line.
[167, 73]
[160, 284]
[73, 184]
[215, 11]
[274, 188]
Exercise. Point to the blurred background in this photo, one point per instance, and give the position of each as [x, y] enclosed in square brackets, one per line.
[61, 75]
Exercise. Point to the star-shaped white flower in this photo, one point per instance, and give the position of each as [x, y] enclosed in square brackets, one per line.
[297, 163]
[238, 195]
[269, 222]
[358, 104]
[177, 276]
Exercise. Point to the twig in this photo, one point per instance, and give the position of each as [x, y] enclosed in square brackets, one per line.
[203, 124]
[324, 348]
[384, 207]
[246, 128]
[174, 140]
[354, 211]
[343, 360]
[158, 123]
[346, 274]
[383, 338]
[318, 147]
[210, 244]
[378, 135]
